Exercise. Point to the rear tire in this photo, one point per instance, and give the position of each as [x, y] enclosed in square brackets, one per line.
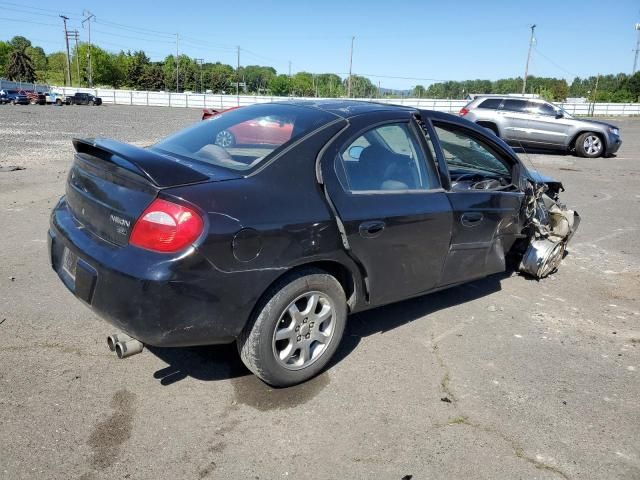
[589, 145]
[295, 329]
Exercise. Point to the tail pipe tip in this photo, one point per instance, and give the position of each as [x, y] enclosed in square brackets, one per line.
[127, 348]
[115, 338]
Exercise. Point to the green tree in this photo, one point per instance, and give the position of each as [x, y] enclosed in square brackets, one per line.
[5, 50]
[633, 86]
[152, 77]
[418, 91]
[135, 68]
[218, 77]
[56, 67]
[20, 43]
[280, 85]
[329, 85]
[20, 68]
[302, 84]
[39, 61]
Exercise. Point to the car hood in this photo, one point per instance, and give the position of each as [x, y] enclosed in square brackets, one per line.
[597, 122]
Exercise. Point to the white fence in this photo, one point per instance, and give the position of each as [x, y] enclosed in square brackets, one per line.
[36, 87]
[200, 100]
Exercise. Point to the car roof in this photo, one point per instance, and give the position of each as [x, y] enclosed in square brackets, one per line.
[347, 108]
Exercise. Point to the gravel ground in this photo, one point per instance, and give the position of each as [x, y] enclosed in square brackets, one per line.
[541, 379]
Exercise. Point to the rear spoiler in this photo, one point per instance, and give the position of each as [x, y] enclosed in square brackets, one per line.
[161, 170]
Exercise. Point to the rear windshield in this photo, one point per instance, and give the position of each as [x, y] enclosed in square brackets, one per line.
[241, 138]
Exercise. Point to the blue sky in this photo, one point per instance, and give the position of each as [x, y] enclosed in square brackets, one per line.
[421, 41]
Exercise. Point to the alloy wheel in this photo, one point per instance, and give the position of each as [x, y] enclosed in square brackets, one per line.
[592, 145]
[304, 331]
[224, 139]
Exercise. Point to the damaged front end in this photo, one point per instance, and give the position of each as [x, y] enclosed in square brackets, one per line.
[549, 226]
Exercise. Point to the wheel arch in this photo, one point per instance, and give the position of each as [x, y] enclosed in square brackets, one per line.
[490, 125]
[347, 277]
[572, 143]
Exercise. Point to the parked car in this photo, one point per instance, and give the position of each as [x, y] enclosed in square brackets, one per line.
[35, 97]
[55, 98]
[273, 245]
[83, 99]
[540, 124]
[14, 97]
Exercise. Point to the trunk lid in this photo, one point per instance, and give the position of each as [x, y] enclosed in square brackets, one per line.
[111, 183]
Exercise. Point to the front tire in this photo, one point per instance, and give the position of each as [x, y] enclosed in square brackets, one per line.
[589, 145]
[295, 329]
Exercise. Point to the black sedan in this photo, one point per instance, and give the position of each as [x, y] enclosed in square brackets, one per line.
[273, 244]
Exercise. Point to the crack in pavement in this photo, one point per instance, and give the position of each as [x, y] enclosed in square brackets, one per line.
[463, 419]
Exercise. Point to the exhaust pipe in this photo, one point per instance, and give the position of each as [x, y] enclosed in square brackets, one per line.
[115, 338]
[129, 347]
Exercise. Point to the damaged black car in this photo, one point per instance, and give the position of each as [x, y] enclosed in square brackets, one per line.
[315, 211]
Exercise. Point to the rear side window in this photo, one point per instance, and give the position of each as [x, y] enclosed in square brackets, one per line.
[385, 158]
[242, 138]
[491, 103]
[515, 105]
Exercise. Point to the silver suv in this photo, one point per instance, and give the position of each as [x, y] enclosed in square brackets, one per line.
[540, 124]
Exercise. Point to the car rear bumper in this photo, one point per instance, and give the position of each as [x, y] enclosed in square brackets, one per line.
[161, 301]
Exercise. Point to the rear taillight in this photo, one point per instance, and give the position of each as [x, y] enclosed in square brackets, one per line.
[463, 111]
[166, 227]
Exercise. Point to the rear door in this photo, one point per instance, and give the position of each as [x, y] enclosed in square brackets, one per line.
[486, 222]
[380, 177]
[515, 120]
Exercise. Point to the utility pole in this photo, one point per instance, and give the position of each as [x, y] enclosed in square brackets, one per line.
[200, 61]
[238, 77]
[289, 68]
[177, 62]
[350, 65]
[66, 39]
[88, 16]
[637, 49]
[526, 68]
[74, 35]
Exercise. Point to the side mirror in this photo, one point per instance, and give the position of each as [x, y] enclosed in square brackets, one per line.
[559, 114]
[355, 152]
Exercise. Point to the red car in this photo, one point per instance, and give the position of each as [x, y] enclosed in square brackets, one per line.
[258, 131]
[34, 97]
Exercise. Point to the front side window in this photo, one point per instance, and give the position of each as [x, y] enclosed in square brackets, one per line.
[542, 109]
[385, 158]
[242, 138]
[466, 155]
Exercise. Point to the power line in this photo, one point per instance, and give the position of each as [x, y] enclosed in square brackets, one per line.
[29, 21]
[554, 63]
[22, 5]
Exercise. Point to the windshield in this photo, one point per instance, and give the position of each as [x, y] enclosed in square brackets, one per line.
[242, 138]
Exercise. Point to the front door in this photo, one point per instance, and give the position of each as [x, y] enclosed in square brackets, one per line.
[546, 127]
[396, 218]
[485, 200]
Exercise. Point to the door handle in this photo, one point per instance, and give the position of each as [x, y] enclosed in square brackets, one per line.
[371, 229]
[471, 219]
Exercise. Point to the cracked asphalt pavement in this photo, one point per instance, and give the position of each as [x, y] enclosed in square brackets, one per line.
[500, 378]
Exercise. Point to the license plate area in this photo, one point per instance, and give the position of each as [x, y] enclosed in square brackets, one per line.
[69, 263]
